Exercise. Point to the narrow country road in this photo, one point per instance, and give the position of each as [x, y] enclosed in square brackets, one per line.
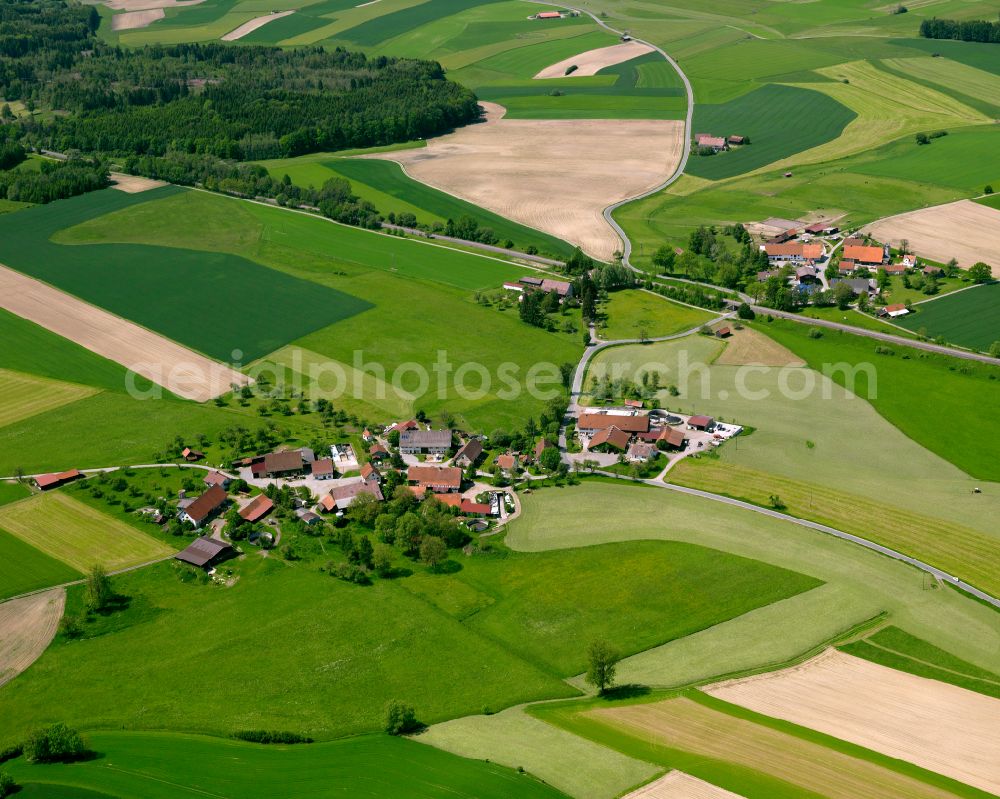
[685, 154]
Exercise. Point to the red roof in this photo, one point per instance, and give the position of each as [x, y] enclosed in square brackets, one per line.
[633, 403]
[700, 421]
[435, 476]
[258, 507]
[507, 461]
[864, 254]
[601, 421]
[323, 467]
[409, 425]
[674, 436]
[899, 306]
[475, 508]
[215, 478]
[45, 481]
[206, 504]
[611, 436]
[451, 500]
[367, 470]
[548, 15]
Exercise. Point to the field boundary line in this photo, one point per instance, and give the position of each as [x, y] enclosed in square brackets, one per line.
[953, 293]
[870, 642]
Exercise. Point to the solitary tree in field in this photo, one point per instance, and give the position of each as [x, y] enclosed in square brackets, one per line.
[400, 718]
[980, 272]
[602, 658]
[433, 551]
[99, 590]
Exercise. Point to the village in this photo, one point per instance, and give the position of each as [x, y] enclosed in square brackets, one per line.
[819, 257]
[470, 478]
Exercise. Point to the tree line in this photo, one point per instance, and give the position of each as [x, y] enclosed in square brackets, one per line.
[968, 30]
[54, 180]
[233, 102]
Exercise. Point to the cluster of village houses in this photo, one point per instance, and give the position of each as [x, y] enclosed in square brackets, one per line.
[562, 288]
[641, 435]
[804, 250]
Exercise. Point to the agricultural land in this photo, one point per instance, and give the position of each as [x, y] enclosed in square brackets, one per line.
[490, 398]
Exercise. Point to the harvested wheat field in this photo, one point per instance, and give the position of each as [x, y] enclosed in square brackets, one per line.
[27, 625]
[133, 184]
[254, 24]
[966, 231]
[133, 20]
[556, 175]
[593, 61]
[678, 785]
[749, 347]
[184, 372]
[935, 725]
[688, 725]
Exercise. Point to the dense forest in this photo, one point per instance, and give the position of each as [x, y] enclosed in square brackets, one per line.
[232, 102]
[974, 30]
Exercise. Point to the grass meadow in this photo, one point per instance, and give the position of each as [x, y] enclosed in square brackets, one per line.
[411, 287]
[493, 633]
[189, 285]
[800, 417]
[387, 186]
[26, 395]
[910, 381]
[858, 584]
[77, 535]
[967, 318]
[24, 568]
[166, 766]
[630, 314]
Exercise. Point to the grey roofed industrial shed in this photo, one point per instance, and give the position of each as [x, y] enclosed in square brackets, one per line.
[202, 551]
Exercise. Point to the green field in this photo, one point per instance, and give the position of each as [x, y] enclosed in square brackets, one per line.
[858, 583]
[24, 568]
[410, 285]
[819, 119]
[188, 285]
[670, 591]
[164, 766]
[11, 491]
[905, 385]
[69, 531]
[898, 649]
[966, 159]
[305, 19]
[386, 185]
[31, 349]
[992, 201]
[632, 314]
[967, 318]
[380, 29]
[24, 395]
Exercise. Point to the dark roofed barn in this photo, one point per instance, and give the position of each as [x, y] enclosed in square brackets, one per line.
[204, 552]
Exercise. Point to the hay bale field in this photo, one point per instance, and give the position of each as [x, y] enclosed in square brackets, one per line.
[257, 22]
[554, 175]
[182, 371]
[678, 785]
[966, 231]
[78, 535]
[706, 735]
[593, 61]
[27, 625]
[932, 724]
